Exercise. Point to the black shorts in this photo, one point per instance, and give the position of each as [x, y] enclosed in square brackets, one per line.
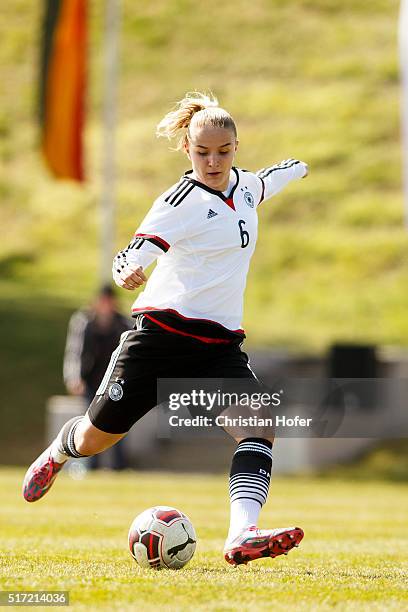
[129, 388]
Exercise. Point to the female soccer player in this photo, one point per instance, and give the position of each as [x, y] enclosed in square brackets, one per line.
[203, 232]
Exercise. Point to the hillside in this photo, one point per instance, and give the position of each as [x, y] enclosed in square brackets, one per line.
[313, 79]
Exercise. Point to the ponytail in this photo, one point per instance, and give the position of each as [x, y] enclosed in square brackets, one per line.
[206, 111]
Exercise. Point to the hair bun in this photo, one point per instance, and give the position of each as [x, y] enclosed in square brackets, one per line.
[178, 120]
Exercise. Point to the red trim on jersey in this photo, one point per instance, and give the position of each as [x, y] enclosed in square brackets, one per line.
[235, 331]
[163, 242]
[230, 203]
[177, 331]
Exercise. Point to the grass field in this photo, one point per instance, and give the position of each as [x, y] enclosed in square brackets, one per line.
[353, 557]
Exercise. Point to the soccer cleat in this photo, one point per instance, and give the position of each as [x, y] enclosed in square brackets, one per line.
[40, 476]
[254, 543]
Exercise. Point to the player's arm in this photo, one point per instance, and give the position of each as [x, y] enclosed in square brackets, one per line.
[130, 263]
[275, 178]
[160, 229]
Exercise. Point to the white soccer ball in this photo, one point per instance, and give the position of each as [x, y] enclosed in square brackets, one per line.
[162, 537]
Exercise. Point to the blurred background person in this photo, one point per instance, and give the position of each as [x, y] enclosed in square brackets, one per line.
[93, 334]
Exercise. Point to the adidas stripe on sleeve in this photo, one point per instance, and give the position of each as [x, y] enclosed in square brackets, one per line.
[160, 229]
[275, 178]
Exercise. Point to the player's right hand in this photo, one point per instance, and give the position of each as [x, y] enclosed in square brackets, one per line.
[130, 277]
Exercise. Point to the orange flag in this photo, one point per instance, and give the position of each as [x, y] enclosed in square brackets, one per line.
[62, 86]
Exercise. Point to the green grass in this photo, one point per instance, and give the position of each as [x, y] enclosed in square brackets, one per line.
[353, 557]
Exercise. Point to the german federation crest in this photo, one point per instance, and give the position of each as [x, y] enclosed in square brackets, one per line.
[249, 199]
[115, 392]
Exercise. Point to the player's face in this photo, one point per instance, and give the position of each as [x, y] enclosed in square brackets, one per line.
[211, 151]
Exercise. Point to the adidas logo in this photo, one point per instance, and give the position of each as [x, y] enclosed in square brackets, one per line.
[211, 214]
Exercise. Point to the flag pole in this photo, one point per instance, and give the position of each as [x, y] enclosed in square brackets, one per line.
[403, 48]
[108, 195]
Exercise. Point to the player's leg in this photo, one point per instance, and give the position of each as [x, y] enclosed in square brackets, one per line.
[126, 393]
[249, 487]
[80, 438]
[77, 438]
[250, 476]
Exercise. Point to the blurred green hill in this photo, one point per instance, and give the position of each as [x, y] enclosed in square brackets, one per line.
[312, 79]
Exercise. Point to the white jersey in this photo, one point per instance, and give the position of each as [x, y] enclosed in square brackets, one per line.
[204, 241]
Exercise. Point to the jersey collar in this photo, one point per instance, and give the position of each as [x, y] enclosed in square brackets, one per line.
[227, 199]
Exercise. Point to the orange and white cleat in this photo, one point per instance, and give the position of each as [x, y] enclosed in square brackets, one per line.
[254, 543]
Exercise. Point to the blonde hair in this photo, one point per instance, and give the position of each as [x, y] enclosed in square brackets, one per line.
[205, 111]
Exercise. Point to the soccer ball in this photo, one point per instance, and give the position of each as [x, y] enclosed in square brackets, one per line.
[162, 537]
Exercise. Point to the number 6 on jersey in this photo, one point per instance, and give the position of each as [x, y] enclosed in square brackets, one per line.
[244, 234]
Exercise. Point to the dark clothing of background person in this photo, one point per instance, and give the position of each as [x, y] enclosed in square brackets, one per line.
[93, 335]
[98, 346]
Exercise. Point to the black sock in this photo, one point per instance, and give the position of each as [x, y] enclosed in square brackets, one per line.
[67, 438]
[251, 470]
